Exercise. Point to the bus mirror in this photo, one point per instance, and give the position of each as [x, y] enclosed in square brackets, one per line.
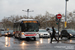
[20, 24]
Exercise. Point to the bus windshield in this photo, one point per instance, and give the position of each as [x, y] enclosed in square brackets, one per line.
[30, 27]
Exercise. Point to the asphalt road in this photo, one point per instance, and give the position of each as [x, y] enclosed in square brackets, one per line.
[10, 43]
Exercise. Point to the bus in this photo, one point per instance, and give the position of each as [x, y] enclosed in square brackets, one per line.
[26, 28]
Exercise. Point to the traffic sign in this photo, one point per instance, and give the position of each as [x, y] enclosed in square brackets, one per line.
[59, 16]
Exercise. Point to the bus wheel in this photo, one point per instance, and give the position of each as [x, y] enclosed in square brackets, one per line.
[15, 36]
[34, 39]
[27, 38]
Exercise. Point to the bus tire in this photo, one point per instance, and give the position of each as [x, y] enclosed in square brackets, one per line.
[27, 38]
[34, 38]
[15, 35]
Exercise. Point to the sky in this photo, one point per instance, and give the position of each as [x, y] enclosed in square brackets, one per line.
[15, 7]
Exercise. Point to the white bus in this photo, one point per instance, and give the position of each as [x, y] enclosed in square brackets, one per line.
[26, 28]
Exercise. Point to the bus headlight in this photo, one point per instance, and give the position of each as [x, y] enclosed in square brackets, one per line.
[22, 33]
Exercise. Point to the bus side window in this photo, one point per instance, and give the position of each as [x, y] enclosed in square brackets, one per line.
[22, 26]
[19, 28]
[15, 27]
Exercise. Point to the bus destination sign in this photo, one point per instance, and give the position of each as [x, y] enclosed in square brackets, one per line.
[29, 21]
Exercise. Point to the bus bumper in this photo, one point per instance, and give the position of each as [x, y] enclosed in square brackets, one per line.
[23, 36]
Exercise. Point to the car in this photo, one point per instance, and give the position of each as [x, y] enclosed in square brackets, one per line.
[4, 33]
[10, 32]
[68, 33]
[1, 29]
[43, 33]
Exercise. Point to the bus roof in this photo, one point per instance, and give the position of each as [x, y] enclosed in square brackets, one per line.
[26, 20]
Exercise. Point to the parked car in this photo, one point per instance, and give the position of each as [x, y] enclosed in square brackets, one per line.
[10, 33]
[1, 29]
[4, 33]
[69, 33]
[43, 33]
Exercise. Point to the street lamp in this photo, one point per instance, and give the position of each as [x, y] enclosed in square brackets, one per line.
[27, 12]
[66, 12]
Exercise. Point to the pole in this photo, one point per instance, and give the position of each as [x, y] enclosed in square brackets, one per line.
[66, 12]
[27, 12]
[58, 28]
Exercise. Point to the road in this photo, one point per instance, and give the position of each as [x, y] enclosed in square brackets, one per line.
[10, 43]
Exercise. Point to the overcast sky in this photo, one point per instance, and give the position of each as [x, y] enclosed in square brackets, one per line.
[15, 7]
